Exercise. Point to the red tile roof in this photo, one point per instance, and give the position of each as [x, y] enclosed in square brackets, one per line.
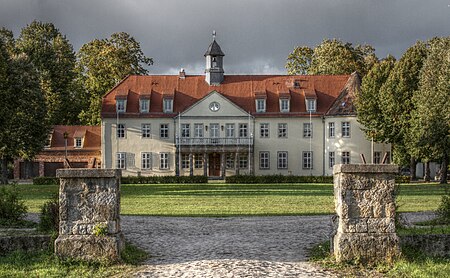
[240, 89]
[91, 134]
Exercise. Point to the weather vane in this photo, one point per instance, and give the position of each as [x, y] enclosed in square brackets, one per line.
[214, 34]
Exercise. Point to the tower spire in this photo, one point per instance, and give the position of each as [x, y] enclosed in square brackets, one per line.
[214, 35]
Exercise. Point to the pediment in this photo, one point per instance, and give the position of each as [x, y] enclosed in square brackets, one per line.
[214, 105]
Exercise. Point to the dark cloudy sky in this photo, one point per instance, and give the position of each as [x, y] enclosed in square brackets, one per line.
[256, 35]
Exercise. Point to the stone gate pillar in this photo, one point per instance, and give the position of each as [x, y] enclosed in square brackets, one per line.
[89, 208]
[365, 205]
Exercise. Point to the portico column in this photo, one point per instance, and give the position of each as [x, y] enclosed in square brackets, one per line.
[205, 164]
[236, 163]
[222, 164]
[177, 162]
[191, 165]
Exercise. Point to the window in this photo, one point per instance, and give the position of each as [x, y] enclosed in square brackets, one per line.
[282, 160]
[284, 105]
[164, 131]
[264, 130]
[307, 160]
[345, 158]
[331, 159]
[144, 105]
[120, 160]
[146, 131]
[243, 130]
[229, 130]
[146, 161]
[198, 158]
[331, 130]
[164, 161]
[311, 105]
[168, 105]
[307, 130]
[185, 130]
[198, 130]
[121, 131]
[264, 161]
[282, 130]
[345, 129]
[377, 157]
[185, 161]
[243, 161]
[121, 105]
[260, 105]
[214, 130]
[229, 158]
[78, 142]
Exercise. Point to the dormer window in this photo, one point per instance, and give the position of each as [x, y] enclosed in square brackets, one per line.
[311, 105]
[261, 105]
[168, 105]
[284, 105]
[144, 105]
[78, 142]
[121, 105]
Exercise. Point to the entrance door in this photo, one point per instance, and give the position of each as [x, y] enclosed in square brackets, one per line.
[214, 164]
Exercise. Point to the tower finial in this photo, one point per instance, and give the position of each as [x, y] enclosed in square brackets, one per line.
[214, 34]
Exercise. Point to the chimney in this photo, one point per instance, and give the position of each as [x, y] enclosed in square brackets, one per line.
[182, 74]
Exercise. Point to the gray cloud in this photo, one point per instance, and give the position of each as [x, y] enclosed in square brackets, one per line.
[256, 35]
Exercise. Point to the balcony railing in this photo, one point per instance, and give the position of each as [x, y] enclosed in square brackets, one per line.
[214, 141]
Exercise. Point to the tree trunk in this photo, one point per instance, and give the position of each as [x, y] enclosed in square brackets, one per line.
[4, 167]
[427, 175]
[444, 169]
[412, 168]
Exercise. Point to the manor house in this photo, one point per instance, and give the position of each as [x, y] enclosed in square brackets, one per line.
[219, 125]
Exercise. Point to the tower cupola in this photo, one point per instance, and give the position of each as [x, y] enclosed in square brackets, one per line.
[214, 63]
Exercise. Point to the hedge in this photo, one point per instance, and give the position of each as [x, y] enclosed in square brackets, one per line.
[278, 179]
[45, 180]
[164, 179]
[402, 179]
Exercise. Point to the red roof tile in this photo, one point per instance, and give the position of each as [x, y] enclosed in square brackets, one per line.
[91, 134]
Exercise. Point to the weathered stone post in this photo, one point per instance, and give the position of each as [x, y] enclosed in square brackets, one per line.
[89, 208]
[365, 204]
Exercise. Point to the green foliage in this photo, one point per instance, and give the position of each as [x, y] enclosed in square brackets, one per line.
[250, 179]
[299, 61]
[164, 179]
[45, 180]
[402, 179]
[12, 208]
[100, 230]
[443, 210]
[49, 218]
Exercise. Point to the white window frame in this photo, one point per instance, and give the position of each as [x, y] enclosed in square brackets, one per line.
[307, 130]
[121, 159]
[146, 131]
[121, 105]
[331, 159]
[331, 130]
[198, 130]
[264, 160]
[311, 105]
[144, 105]
[307, 162]
[282, 130]
[243, 161]
[243, 130]
[164, 131]
[121, 131]
[146, 161]
[185, 161]
[214, 130]
[345, 157]
[168, 105]
[78, 142]
[282, 160]
[229, 161]
[185, 130]
[264, 130]
[261, 105]
[345, 129]
[229, 130]
[164, 161]
[198, 161]
[284, 105]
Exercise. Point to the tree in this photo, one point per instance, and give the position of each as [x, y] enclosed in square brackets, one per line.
[332, 56]
[23, 125]
[430, 121]
[8, 39]
[54, 58]
[103, 63]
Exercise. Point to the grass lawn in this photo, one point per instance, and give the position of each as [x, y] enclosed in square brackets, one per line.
[237, 199]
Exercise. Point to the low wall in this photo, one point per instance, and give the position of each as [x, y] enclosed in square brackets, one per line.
[432, 245]
[23, 242]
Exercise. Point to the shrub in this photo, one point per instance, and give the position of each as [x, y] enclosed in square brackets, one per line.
[402, 179]
[12, 209]
[49, 218]
[443, 211]
[45, 180]
[164, 179]
[278, 179]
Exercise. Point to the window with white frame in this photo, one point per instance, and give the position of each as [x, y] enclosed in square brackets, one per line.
[311, 105]
[345, 157]
[121, 131]
[214, 131]
[185, 130]
[243, 161]
[308, 160]
[307, 130]
[164, 161]
[168, 105]
[144, 105]
[229, 158]
[146, 131]
[331, 130]
[264, 130]
[282, 130]
[121, 105]
[264, 160]
[377, 157]
[243, 130]
[120, 160]
[345, 129]
[261, 105]
[229, 130]
[331, 159]
[164, 131]
[198, 161]
[282, 160]
[146, 161]
[78, 142]
[198, 130]
[185, 161]
[284, 105]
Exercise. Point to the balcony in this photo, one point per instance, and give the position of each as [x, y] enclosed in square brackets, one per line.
[214, 141]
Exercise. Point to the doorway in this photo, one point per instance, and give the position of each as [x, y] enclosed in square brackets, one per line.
[214, 165]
